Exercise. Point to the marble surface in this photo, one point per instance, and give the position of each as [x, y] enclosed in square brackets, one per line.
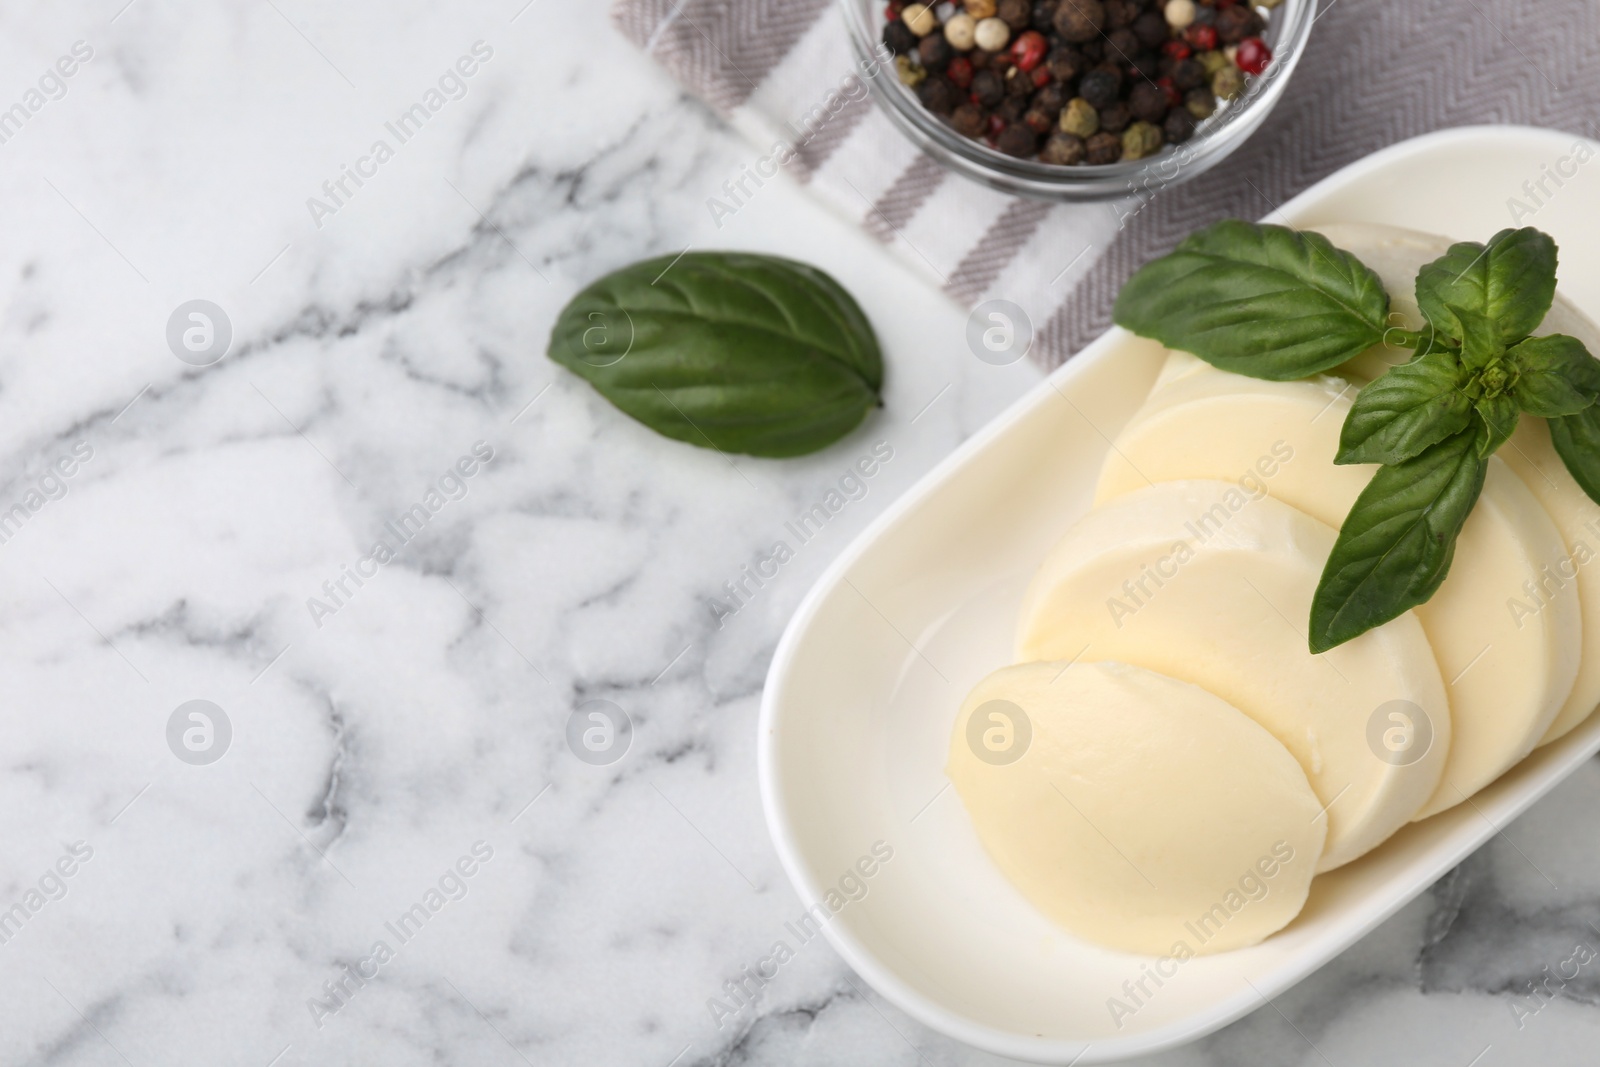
[180, 524]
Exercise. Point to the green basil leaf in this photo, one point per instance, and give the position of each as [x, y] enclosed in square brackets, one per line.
[1511, 280]
[1556, 375]
[1405, 410]
[728, 350]
[1397, 542]
[1497, 421]
[1264, 301]
[1577, 441]
[1480, 338]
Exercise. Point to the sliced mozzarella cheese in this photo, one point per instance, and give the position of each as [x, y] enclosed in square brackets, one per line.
[1136, 810]
[1509, 674]
[1396, 256]
[1203, 582]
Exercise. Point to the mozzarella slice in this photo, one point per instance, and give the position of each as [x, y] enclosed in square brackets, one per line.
[1396, 256]
[1509, 674]
[1136, 810]
[1203, 582]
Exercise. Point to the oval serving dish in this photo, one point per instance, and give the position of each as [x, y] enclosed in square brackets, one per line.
[865, 685]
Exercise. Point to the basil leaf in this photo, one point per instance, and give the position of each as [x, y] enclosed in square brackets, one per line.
[1404, 411]
[1577, 441]
[1511, 280]
[728, 350]
[1264, 301]
[1480, 338]
[1397, 542]
[1556, 375]
[1497, 421]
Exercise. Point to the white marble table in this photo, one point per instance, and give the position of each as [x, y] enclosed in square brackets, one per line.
[188, 533]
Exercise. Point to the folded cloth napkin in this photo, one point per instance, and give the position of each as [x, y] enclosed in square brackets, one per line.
[1375, 72]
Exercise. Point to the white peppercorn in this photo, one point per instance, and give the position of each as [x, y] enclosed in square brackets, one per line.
[919, 18]
[1179, 13]
[961, 31]
[991, 34]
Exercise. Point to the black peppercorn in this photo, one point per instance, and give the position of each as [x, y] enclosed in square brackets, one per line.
[1147, 102]
[1066, 63]
[1201, 102]
[1122, 45]
[1100, 87]
[1147, 65]
[898, 38]
[1043, 16]
[1015, 13]
[1040, 122]
[1103, 148]
[1116, 117]
[1094, 51]
[1236, 23]
[1151, 29]
[1080, 20]
[1052, 98]
[1121, 13]
[1189, 74]
[969, 120]
[1063, 149]
[1012, 108]
[934, 52]
[988, 88]
[1017, 140]
[1178, 127]
[1019, 84]
[938, 94]
[979, 58]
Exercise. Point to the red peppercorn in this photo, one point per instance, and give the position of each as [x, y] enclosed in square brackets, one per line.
[1253, 55]
[1202, 37]
[891, 11]
[996, 125]
[1042, 77]
[1223, 5]
[1177, 49]
[959, 71]
[1028, 50]
[1174, 98]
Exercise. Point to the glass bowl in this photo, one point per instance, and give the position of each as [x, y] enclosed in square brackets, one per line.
[1288, 28]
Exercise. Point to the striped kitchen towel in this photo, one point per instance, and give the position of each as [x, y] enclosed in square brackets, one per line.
[1376, 72]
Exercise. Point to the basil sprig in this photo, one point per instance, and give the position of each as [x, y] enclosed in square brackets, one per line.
[727, 350]
[1272, 303]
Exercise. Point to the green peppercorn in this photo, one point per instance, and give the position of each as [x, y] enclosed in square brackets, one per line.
[1103, 148]
[1228, 82]
[910, 73]
[1140, 139]
[1200, 103]
[1080, 118]
[1212, 61]
[1064, 150]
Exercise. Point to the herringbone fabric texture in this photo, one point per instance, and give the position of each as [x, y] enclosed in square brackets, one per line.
[1376, 72]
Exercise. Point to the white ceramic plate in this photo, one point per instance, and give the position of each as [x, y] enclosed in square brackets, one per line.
[864, 687]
